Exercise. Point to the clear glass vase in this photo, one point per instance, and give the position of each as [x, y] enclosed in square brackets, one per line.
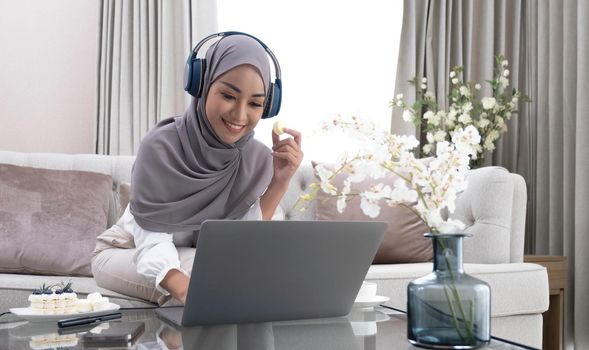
[448, 309]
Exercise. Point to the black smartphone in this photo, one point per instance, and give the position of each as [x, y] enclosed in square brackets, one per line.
[119, 334]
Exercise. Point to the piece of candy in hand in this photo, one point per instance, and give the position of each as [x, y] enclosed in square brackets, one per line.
[278, 127]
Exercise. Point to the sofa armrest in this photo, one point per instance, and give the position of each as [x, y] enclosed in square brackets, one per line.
[493, 209]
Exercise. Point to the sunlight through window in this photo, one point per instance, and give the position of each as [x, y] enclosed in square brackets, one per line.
[336, 58]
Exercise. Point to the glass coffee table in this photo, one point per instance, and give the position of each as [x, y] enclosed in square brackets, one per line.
[364, 328]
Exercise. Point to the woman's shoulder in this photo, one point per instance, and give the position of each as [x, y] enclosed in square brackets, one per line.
[160, 133]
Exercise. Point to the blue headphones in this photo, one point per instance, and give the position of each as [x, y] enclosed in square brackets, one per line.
[195, 70]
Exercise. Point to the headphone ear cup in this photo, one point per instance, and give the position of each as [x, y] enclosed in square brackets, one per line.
[268, 106]
[193, 76]
[274, 100]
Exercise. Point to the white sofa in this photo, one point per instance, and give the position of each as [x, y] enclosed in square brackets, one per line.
[493, 208]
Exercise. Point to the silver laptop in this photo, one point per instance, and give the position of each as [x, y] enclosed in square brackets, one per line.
[258, 271]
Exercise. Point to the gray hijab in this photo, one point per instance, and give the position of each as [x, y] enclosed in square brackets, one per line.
[184, 173]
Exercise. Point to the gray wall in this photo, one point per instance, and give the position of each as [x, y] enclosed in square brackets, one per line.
[48, 60]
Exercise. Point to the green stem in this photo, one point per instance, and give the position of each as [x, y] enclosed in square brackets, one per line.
[468, 324]
[416, 213]
[453, 313]
[407, 180]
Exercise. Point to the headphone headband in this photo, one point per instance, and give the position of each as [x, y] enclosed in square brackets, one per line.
[228, 33]
[195, 68]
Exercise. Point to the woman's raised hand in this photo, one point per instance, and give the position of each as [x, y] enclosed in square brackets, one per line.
[287, 155]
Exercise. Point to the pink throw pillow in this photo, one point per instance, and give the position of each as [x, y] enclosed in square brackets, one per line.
[49, 219]
[403, 242]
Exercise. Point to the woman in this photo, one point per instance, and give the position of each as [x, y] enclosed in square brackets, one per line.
[202, 165]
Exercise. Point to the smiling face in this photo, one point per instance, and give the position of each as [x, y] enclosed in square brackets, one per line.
[235, 103]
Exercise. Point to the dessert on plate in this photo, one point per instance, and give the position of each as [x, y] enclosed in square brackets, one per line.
[62, 299]
[53, 299]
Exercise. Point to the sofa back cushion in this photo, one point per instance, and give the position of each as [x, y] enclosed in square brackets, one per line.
[49, 219]
[123, 195]
[403, 242]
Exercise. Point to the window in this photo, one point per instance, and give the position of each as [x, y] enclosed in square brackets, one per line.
[336, 57]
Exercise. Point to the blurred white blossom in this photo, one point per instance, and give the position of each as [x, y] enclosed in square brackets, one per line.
[426, 187]
[488, 102]
[407, 116]
[467, 106]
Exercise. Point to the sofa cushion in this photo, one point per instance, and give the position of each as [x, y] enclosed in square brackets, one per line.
[49, 219]
[516, 288]
[403, 242]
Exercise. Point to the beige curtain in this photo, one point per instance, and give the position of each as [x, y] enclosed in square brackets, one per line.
[142, 52]
[560, 132]
[546, 43]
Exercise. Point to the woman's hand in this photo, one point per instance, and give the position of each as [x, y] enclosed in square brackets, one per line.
[176, 283]
[287, 156]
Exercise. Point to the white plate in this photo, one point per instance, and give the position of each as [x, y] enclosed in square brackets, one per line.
[374, 301]
[28, 314]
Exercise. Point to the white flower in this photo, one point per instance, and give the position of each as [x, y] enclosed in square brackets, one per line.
[407, 116]
[423, 86]
[323, 172]
[455, 81]
[433, 218]
[432, 118]
[370, 208]
[357, 172]
[467, 107]
[440, 135]
[401, 193]
[427, 188]
[369, 199]
[452, 74]
[399, 96]
[430, 96]
[483, 123]
[500, 122]
[407, 142]
[452, 115]
[506, 73]
[443, 147]
[477, 86]
[489, 145]
[504, 63]
[328, 188]
[503, 81]
[451, 226]
[430, 137]
[488, 102]
[464, 91]
[464, 118]
[493, 135]
[424, 80]
[464, 139]
[472, 134]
